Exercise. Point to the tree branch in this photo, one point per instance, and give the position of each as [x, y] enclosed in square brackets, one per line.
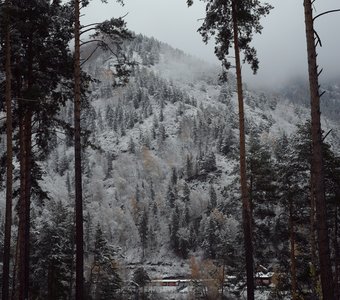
[326, 135]
[90, 55]
[325, 13]
[87, 30]
[318, 39]
[88, 25]
[90, 41]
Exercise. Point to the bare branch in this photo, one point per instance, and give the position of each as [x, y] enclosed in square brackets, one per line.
[322, 94]
[326, 13]
[90, 55]
[326, 135]
[90, 41]
[87, 30]
[24, 99]
[318, 38]
[88, 25]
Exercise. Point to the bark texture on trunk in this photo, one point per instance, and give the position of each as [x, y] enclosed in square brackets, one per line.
[9, 158]
[246, 207]
[77, 157]
[25, 130]
[317, 164]
[292, 252]
[336, 255]
[314, 259]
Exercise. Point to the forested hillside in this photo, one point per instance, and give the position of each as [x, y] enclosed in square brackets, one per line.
[161, 179]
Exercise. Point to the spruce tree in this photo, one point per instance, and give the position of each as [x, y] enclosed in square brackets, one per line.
[143, 230]
[294, 176]
[262, 193]
[52, 252]
[141, 277]
[106, 278]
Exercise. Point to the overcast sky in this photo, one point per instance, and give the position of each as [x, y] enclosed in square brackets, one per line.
[281, 47]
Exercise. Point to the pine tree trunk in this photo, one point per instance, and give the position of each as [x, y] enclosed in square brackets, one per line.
[246, 209]
[25, 136]
[336, 254]
[317, 164]
[14, 272]
[292, 252]
[24, 206]
[314, 261]
[9, 164]
[28, 127]
[77, 158]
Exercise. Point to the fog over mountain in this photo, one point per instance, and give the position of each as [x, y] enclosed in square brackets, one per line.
[281, 46]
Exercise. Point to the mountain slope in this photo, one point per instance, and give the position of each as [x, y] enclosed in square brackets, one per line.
[161, 177]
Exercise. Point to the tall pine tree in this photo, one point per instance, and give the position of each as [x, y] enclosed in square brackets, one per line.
[317, 182]
[234, 22]
[9, 154]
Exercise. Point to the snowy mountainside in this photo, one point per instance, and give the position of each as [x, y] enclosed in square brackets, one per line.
[174, 114]
[174, 124]
[162, 177]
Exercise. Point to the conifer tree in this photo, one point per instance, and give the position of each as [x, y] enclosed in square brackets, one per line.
[317, 182]
[141, 277]
[293, 165]
[234, 22]
[294, 176]
[52, 252]
[115, 30]
[262, 193]
[37, 37]
[77, 158]
[212, 198]
[143, 230]
[174, 227]
[186, 194]
[9, 154]
[107, 279]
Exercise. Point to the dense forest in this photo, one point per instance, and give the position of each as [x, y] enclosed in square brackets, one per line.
[124, 160]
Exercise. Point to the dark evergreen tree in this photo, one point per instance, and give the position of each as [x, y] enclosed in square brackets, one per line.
[212, 198]
[189, 170]
[143, 228]
[132, 146]
[161, 133]
[161, 114]
[173, 176]
[293, 227]
[52, 252]
[110, 118]
[40, 61]
[262, 192]
[5, 248]
[141, 277]
[171, 195]
[174, 227]
[104, 271]
[186, 193]
[210, 239]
